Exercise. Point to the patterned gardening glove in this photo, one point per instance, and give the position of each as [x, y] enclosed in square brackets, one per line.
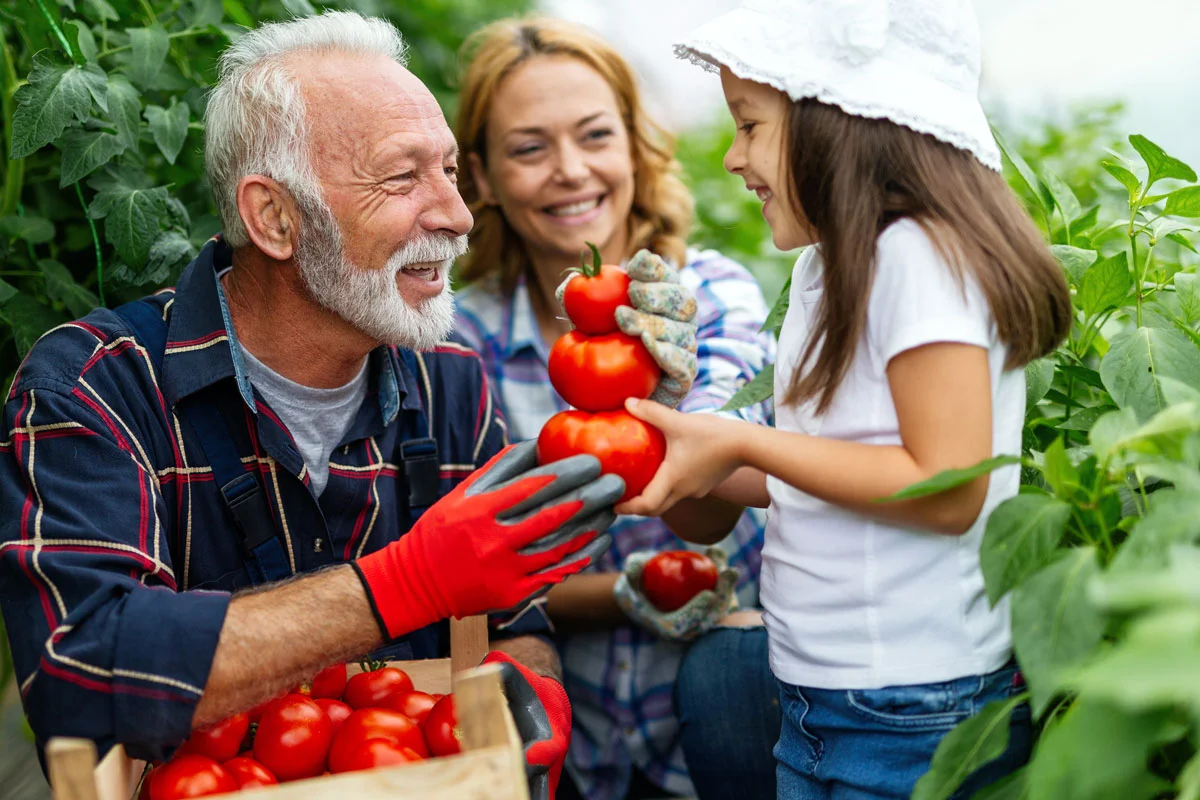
[542, 715]
[695, 617]
[663, 317]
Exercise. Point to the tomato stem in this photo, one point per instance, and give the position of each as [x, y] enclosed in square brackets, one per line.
[590, 270]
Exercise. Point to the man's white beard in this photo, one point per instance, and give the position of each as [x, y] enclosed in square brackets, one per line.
[369, 299]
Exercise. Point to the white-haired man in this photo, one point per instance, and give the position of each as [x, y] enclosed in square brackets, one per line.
[289, 408]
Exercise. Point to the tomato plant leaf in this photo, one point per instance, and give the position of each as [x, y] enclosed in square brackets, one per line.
[169, 254]
[1124, 176]
[1010, 787]
[1066, 201]
[149, 47]
[1055, 626]
[169, 127]
[1039, 375]
[206, 12]
[1074, 260]
[1184, 202]
[1183, 241]
[83, 152]
[29, 318]
[60, 285]
[85, 42]
[54, 95]
[125, 109]
[1105, 285]
[1187, 292]
[1110, 430]
[1021, 537]
[7, 292]
[756, 390]
[1136, 359]
[299, 8]
[1032, 183]
[1159, 164]
[100, 11]
[131, 215]
[1082, 419]
[775, 319]
[1059, 471]
[34, 230]
[948, 479]
[974, 743]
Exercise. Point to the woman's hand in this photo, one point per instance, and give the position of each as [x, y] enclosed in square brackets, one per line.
[702, 450]
[695, 617]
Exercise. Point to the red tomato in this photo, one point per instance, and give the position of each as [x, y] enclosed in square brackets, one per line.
[442, 733]
[256, 713]
[672, 578]
[414, 705]
[625, 445]
[373, 723]
[591, 298]
[293, 738]
[249, 773]
[336, 710]
[597, 373]
[369, 689]
[329, 682]
[219, 742]
[190, 775]
[380, 753]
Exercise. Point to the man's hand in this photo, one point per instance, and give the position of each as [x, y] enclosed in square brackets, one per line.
[542, 715]
[695, 617]
[502, 537]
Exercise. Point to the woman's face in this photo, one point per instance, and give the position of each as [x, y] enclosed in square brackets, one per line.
[757, 156]
[559, 162]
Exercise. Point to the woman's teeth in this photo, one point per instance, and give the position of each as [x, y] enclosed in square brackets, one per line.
[764, 194]
[574, 209]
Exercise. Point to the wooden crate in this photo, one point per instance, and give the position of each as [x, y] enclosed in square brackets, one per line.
[491, 766]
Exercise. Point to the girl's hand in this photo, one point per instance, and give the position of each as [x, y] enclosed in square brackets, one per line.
[702, 450]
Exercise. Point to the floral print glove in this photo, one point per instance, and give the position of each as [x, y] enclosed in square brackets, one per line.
[694, 618]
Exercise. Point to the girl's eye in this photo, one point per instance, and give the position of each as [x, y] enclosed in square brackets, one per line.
[746, 127]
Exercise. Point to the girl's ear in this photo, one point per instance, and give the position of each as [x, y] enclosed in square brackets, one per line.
[480, 178]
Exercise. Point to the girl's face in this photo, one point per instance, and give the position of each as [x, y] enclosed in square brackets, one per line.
[559, 162]
[757, 156]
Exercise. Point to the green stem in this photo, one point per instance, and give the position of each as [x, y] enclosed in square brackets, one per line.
[14, 174]
[95, 242]
[58, 33]
[20, 273]
[175, 35]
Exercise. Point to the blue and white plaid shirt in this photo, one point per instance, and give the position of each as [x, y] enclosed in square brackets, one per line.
[621, 681]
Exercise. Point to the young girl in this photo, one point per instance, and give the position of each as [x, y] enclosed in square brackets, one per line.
[924, 294]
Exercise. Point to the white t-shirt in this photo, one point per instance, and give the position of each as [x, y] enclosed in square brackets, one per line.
[856, 603]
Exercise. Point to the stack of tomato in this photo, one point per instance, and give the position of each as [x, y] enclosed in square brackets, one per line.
[595, 368]
[334, 724]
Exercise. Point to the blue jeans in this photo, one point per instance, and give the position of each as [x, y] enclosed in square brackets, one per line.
[876, 744]
[728, 706]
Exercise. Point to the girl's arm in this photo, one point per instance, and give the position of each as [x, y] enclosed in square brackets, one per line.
[942, 395]
[585, 602]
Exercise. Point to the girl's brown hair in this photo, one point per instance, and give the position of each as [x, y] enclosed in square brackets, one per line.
[661, 216]
[852, 177]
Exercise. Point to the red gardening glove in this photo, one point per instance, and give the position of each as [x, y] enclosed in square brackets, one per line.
[542, 714]
[503, 536]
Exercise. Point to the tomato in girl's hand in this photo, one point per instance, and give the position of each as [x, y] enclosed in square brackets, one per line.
[671, 579]
[442, 733]
[592, 297]
[373, 723]
[379, 753]
[336, 710]
[190, 775]
[368, 689]
[293, 738]
[597, 373]
[219, 742]
[249, 773]
[329, 682]
[625, 445]
[414, 705]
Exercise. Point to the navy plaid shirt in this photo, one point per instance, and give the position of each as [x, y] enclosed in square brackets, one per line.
[117, 553]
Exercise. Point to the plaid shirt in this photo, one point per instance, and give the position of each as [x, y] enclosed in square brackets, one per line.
[117, 553]
[621, 682]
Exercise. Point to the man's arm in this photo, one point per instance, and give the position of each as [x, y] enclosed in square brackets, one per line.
[535, 653]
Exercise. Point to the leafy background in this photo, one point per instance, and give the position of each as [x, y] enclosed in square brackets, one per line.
[104, 199]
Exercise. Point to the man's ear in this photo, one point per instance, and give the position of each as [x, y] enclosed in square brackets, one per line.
[269, 214]
[479, 176]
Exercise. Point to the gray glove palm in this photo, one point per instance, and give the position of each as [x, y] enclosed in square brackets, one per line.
[694, 618]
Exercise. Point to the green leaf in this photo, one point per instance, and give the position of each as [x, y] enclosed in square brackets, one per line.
[1110, 430]
[1082, 419]
[1096, 750]
[125, 109]
[1105, 285]
[1074, 260]
[7, 292]
[1184, 202]
[100, 10]
[1039, 375]
[149, 46]
[169, 254]
[206, 12]
[1010, 787]
[299, 8]
[61, 285]
[1160, 164]
[34, 230]
[1136, 359]
[83, 152]
[1084, 374]
[756, 390]
[54, 95]
[775, 319]
[1059, 471]
[1029, 178]
[1187, 292]
[1021, 538]
[974, 743]
[1148, 581]
[131, 215]
[169, 127]
[1173, 519]
[950, 478]
[84, 41]
[1068, 204]
[1054, 624]
[1125, 176]
[1183, 241]
[29, 319]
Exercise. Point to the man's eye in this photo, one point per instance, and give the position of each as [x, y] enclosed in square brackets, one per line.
[452, 173]
[403, 176]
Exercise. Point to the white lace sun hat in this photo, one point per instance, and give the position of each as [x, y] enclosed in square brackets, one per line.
[914, 62]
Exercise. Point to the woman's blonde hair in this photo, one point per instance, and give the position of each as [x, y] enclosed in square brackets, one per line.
[661, 215]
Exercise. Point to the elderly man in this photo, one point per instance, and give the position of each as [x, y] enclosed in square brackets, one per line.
[165, 467]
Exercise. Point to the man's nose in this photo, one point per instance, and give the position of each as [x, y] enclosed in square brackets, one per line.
[448, 212]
